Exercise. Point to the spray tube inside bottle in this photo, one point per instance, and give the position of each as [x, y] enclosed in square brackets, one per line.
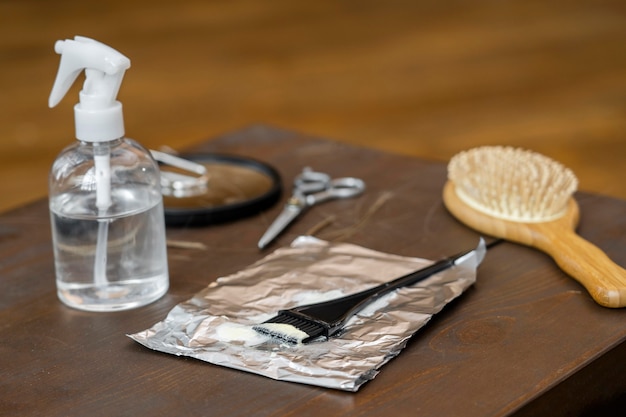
[102, 168]
[107, 180]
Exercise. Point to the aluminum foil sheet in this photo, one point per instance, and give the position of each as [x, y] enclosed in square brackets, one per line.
[216, 324]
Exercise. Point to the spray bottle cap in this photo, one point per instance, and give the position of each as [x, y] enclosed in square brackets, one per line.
[98, 115]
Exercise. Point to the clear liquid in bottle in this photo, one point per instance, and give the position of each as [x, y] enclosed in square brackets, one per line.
[109, 263]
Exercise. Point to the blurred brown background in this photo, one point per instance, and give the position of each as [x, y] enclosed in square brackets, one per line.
[425, 78]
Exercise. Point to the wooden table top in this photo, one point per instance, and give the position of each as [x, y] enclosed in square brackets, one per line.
[523, 340]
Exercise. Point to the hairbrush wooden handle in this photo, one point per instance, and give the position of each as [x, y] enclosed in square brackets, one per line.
[604, 280]
[586, 263]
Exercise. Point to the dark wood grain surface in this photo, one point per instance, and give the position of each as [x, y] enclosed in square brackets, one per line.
[524, 339]
[423, 78]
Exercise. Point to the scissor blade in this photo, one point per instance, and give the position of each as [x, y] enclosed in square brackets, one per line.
[289, 213]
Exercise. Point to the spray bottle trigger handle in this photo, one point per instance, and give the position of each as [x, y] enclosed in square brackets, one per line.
[83, 53]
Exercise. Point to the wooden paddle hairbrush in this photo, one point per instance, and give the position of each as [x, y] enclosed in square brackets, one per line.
[527, 198]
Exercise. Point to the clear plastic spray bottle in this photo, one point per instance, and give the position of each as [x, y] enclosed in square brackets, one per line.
[106, 208]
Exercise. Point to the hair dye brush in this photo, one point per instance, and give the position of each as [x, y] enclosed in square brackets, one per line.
[527, 198]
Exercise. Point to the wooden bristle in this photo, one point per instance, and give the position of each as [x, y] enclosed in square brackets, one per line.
[512, 183]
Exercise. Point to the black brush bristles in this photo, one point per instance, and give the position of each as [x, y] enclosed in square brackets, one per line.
[311, 328]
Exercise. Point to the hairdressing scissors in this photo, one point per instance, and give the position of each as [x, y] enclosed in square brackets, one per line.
[310, 188]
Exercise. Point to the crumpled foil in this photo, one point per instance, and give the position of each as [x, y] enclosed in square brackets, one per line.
[216, 324]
